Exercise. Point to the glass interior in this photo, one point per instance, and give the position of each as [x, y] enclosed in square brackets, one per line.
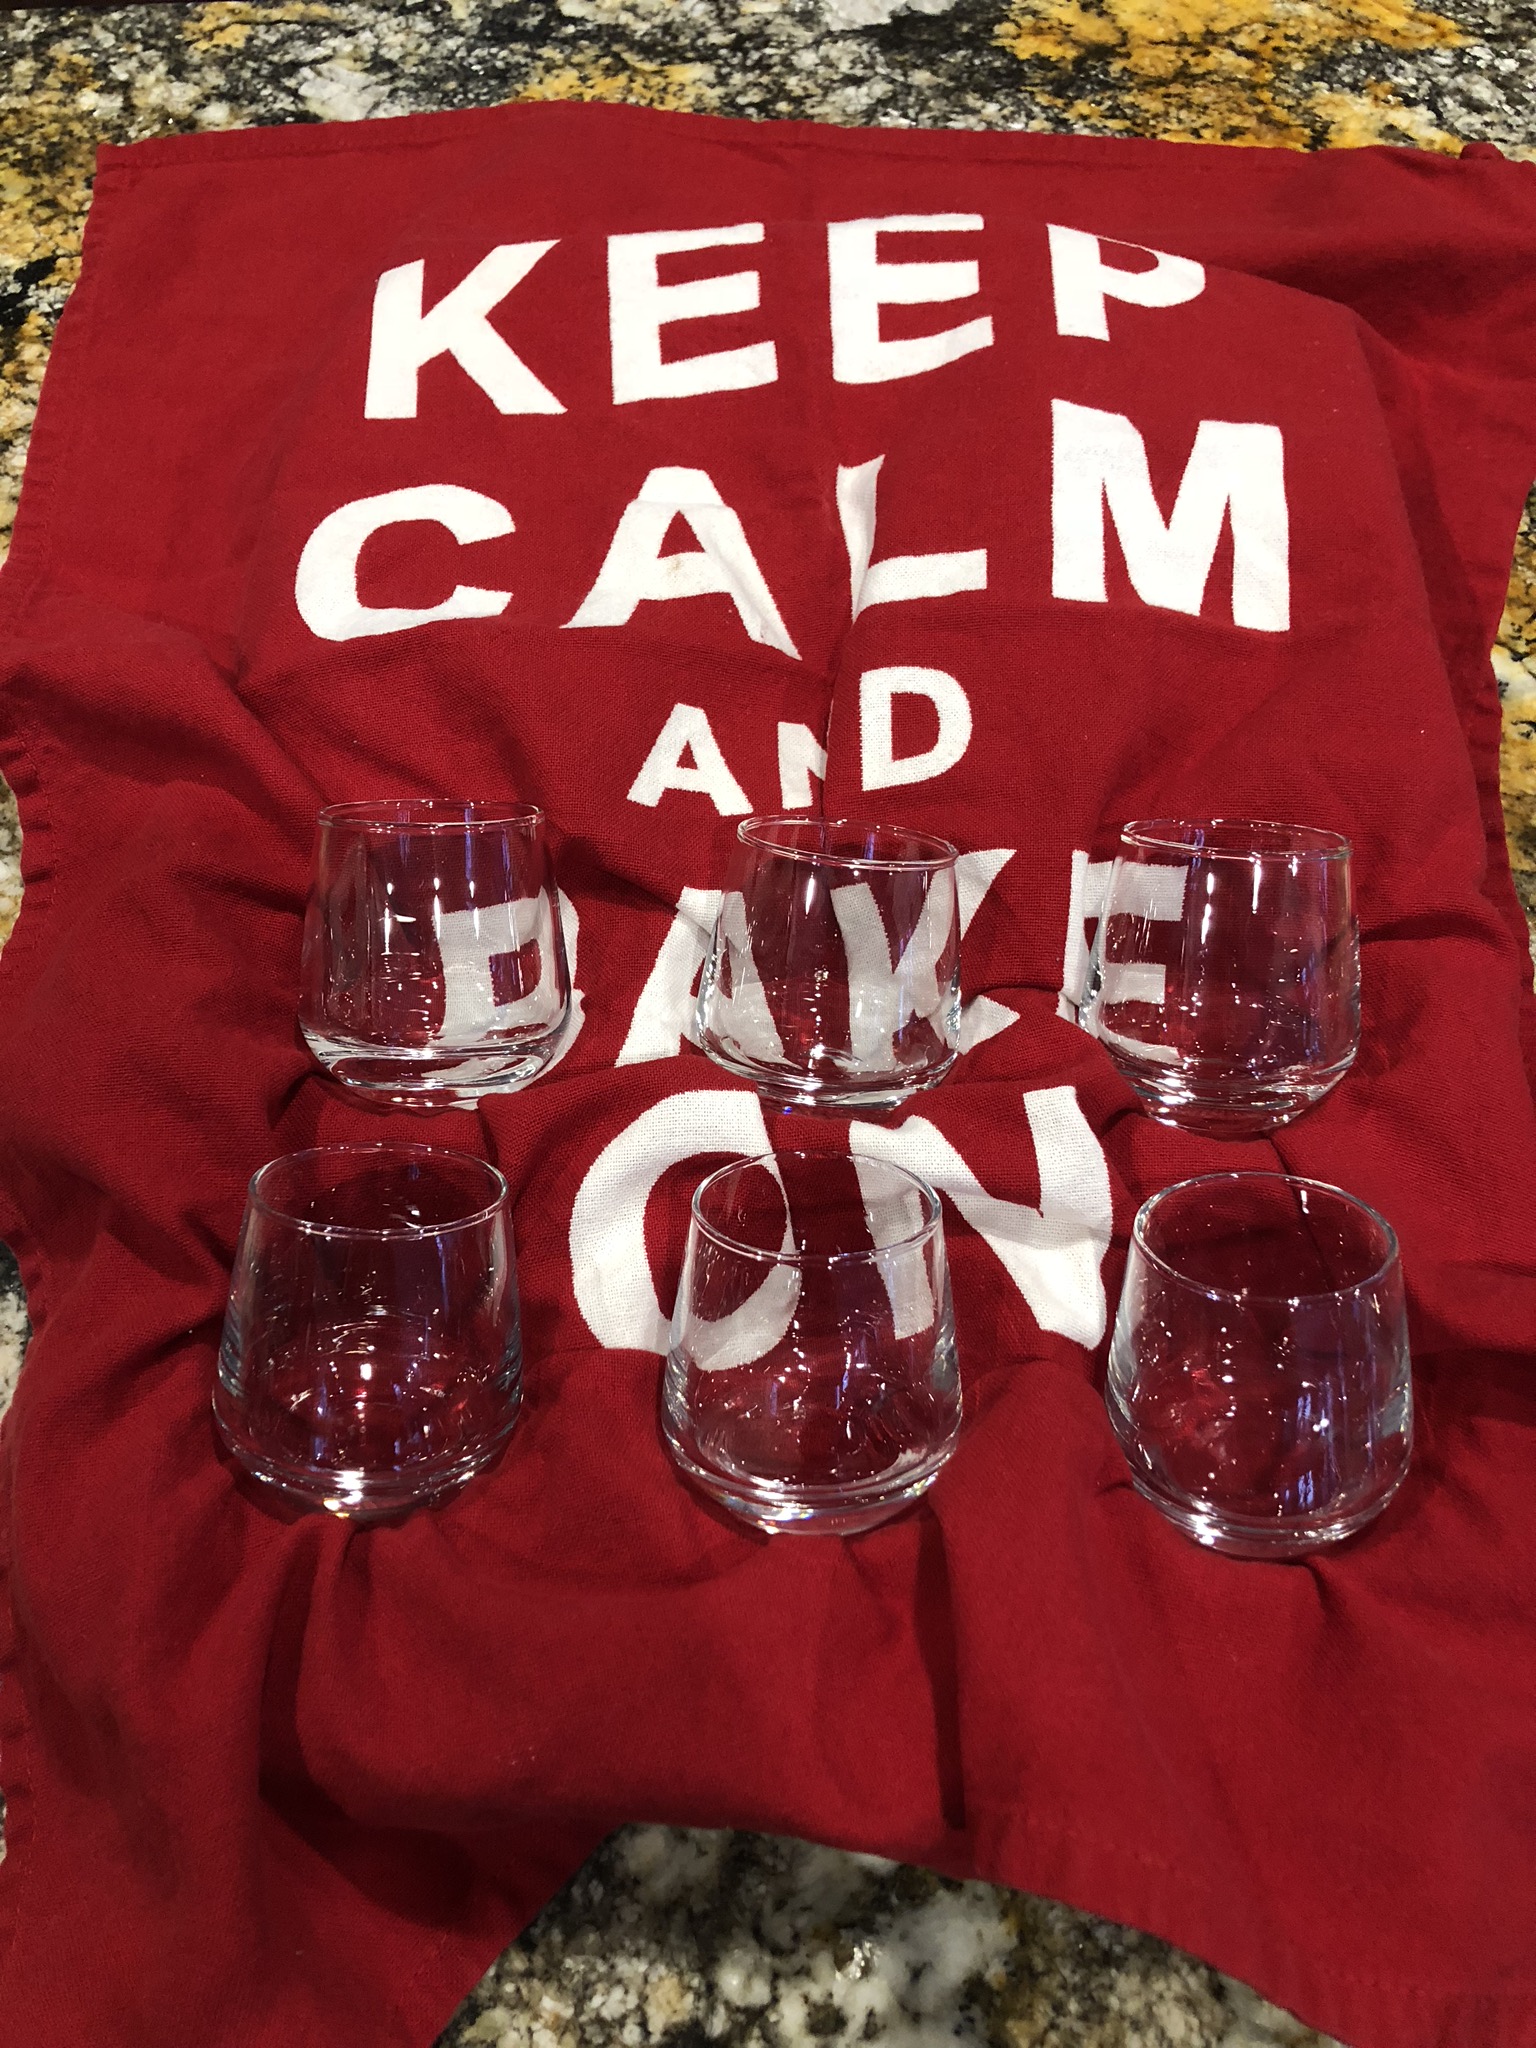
[378, 1190]
[431, 814]
[806, 1206]
[1263, 1235]
[847, 840]
[1240, 838]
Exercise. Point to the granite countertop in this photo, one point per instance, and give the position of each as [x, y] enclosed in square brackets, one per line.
[671, 1935]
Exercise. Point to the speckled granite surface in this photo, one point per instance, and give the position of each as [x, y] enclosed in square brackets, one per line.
[681, 1937]
[669, 1936]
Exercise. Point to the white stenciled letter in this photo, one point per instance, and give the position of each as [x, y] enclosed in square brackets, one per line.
[610, 1268]
[900, 578]
[1052, 1254]
[801, 755]
[1085, 905]
[636, 570]
[325, 588]
[1147, 892]
[1082, 281]
[733, 1013]
[404, 337]
[640, 305]
[687, 730]
[882, 998]
[861, 284]
[470, 940]
[983, 1017]
[1235, 469]
[877, 688]
[664, 1015]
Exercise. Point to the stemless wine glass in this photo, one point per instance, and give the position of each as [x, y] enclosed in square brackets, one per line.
[1258, 1376]
[434, 966]
[812, 1382]
[833, 977]
[372, 1354]
[1225, 974]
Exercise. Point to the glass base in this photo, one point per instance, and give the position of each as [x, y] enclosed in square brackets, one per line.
[432, 1079]
[837, 1096]
[1248, 1536]
[779, 1509]
[1228, 1108]
[354, 1494]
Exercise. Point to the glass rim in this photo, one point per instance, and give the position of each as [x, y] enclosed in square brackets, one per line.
[432, 814]
[756, 831]
[377, 1233]
[1298, 842]
[1389, 1259]
[933, 1214]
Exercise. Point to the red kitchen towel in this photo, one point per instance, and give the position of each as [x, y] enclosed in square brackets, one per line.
[659, 469]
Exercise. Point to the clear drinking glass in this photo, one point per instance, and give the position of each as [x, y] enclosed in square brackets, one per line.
[1225, 974]
[833, 977]
[812, 1382]
[1258, 1376]
[434, 966]
[372, 1355]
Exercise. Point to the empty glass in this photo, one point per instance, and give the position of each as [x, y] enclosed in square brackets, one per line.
[1225, 974]
[372, 1356]
[833, 977]
[812, 1381]
[434, 966]
[1258, 1376]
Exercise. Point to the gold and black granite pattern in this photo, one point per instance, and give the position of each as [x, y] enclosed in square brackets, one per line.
[669, 1936]
[683, 1938]
[1514, 663]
